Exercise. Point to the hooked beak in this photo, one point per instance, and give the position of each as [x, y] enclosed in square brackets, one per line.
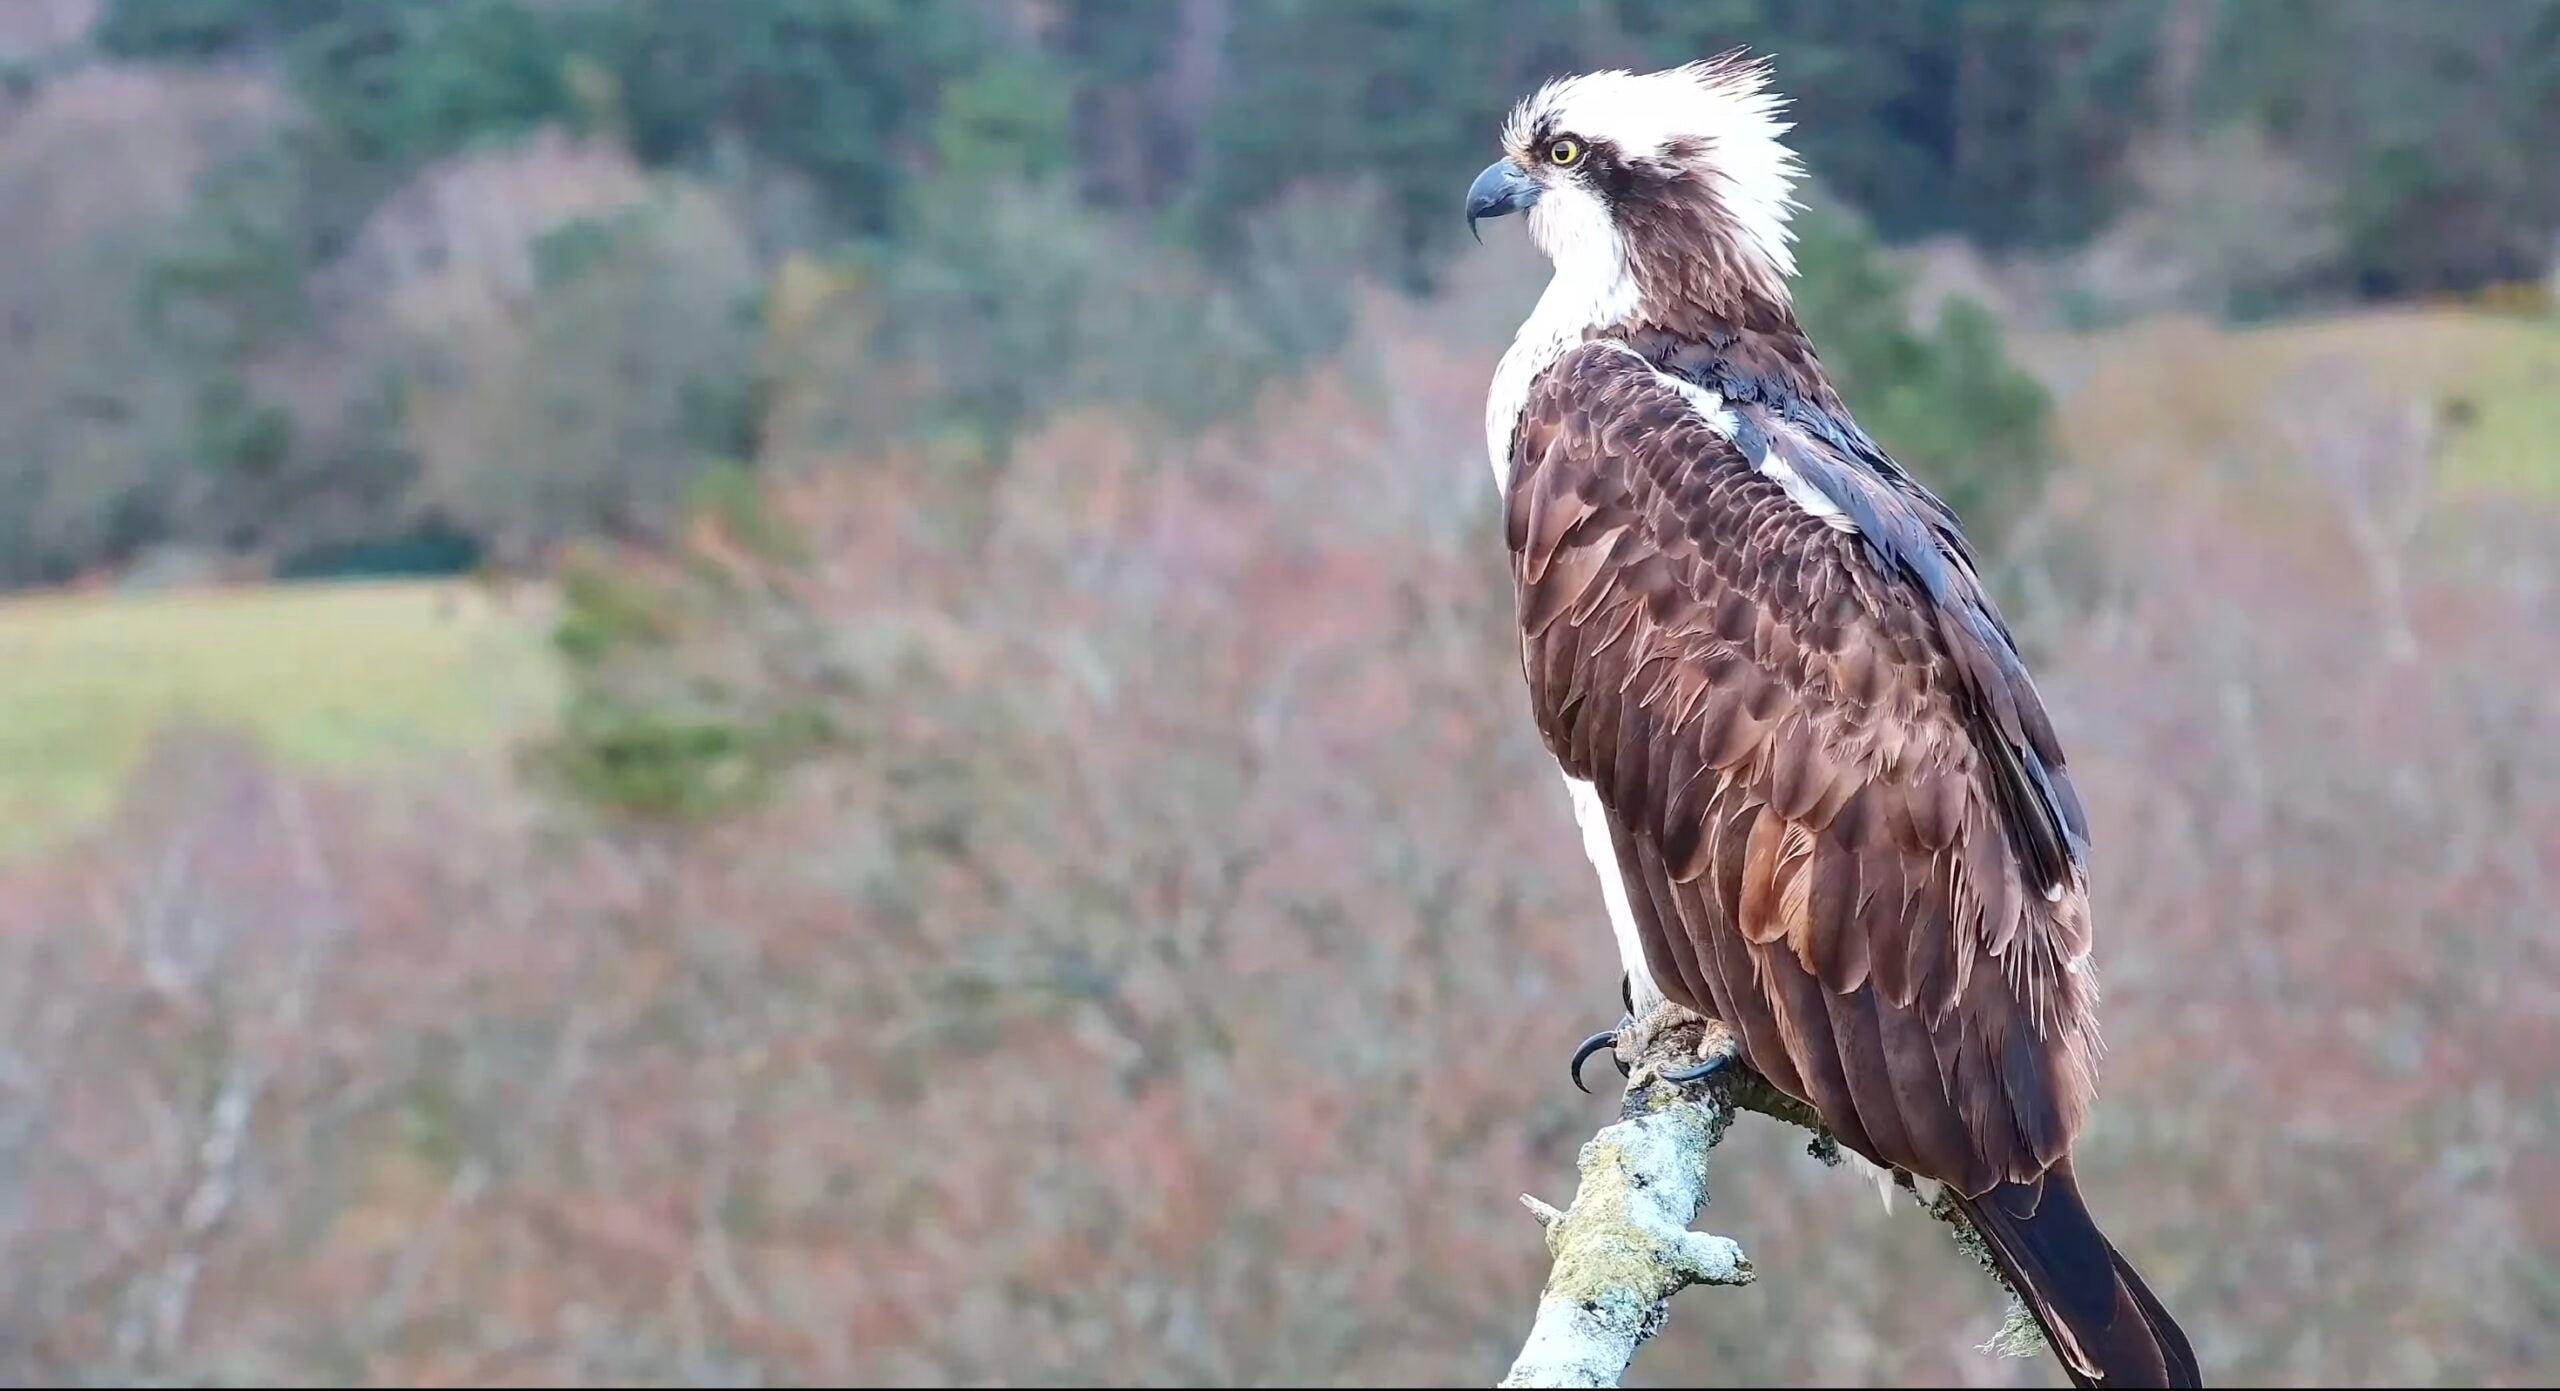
[1503, 187]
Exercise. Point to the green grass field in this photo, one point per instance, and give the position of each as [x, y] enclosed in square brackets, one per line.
[366, 677]
[2187, 385]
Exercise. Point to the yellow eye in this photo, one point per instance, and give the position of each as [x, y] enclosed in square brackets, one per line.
[1565, 153]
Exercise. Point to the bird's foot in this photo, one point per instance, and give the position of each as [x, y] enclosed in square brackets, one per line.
[1617, 1041]
[1659, 1038]
[1608, 1039]
[1685, 1048]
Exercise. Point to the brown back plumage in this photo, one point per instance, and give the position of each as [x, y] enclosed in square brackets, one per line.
[1788, 738]
[1835, 797]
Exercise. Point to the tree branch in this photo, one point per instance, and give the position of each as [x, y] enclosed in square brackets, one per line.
[1624, 1247]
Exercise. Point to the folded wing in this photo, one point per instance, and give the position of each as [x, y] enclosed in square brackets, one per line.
[1832, 790]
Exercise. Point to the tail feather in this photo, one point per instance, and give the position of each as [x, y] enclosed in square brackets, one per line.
[2102, 1321]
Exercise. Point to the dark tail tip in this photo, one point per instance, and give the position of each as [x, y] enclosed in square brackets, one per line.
[2103, 1321]
[2178, 1358]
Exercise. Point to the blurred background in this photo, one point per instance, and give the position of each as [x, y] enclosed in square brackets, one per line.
[795, 691]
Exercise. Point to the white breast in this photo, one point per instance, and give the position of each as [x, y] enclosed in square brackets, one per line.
[1587, 293]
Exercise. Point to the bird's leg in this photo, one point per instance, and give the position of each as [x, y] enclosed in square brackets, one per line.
[1611, 1039]
[1672, 1036]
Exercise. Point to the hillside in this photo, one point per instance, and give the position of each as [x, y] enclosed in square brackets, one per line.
[359, 679]
[362, 678]
[2183, 385]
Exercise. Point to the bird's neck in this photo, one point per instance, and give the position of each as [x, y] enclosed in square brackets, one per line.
[1738, 335]
[1748, 348]
[1585, 297]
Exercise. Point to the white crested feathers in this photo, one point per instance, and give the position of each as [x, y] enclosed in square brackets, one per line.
[1724, 105]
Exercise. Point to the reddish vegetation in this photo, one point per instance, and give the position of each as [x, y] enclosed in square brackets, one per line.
[1170, 978]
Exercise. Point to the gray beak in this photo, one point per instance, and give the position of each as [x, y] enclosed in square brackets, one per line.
[1503, 187]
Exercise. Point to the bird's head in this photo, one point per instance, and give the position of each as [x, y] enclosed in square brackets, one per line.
[1672, 185]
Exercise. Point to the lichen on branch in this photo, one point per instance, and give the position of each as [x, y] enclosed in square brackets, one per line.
[1625, 1247]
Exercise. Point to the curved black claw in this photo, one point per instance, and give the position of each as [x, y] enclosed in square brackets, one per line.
[1606, 1038]
[1708, 1067]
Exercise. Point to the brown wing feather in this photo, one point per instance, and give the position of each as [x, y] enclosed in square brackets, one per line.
[1784, 735]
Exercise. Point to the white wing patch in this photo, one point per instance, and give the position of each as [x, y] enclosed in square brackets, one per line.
[1719, 417]
[1801, 489]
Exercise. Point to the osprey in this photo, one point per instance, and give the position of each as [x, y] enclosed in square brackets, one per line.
[1825, 803]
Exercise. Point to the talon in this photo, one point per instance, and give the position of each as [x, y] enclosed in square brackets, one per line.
[1627, 991]
[1708, 1067]
[1607, 1038]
